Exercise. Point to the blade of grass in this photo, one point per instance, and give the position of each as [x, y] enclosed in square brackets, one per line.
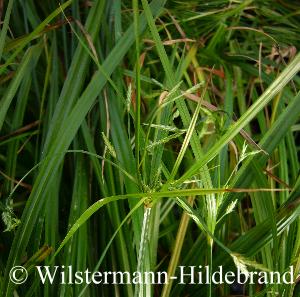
[5, 26]
[28, 62]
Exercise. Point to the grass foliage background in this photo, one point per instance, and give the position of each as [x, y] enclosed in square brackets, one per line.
[144, 136]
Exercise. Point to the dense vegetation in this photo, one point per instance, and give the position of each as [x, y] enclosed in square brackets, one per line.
[168, 129]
